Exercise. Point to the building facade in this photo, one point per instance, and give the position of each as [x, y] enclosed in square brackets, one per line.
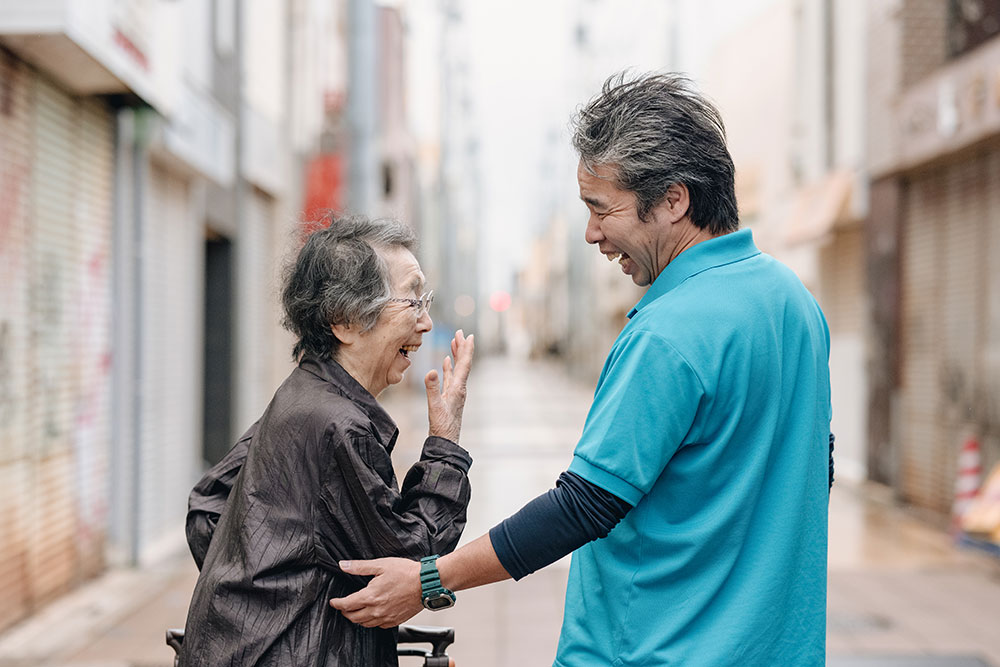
[150, 187]
[932, 243]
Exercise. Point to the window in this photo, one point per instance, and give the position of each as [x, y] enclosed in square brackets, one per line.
[970, 23]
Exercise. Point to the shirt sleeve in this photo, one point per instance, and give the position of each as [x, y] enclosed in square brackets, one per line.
[362, 514]
[832, 440]
[644, 410]
[555, 524]
[210, 494]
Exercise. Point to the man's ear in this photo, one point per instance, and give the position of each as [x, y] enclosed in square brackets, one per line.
[675, 204]
[346, 333]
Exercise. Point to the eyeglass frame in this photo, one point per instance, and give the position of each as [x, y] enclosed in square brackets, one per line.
[422, 304]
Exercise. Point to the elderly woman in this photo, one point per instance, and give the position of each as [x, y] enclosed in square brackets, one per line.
[311, 483]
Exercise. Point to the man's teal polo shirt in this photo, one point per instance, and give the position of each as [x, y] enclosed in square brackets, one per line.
[711, 417]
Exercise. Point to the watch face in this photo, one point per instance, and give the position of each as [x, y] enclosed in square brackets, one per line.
[440, 601]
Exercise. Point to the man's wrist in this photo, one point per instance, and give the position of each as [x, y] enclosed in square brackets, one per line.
[434, 596]
[446, 570]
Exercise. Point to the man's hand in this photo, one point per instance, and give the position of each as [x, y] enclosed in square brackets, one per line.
[446, 403]
[392, 596]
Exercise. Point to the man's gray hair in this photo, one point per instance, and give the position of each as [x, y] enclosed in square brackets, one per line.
[339, 277]
[655, 130]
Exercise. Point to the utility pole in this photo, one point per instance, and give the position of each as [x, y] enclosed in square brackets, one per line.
[362, 105]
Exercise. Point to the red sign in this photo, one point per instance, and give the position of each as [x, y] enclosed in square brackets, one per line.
[324, 191]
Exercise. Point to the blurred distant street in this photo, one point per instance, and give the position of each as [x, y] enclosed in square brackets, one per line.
[899, 590]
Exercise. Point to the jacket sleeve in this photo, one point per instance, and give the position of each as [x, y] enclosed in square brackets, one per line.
[362, 514]
[210, 494]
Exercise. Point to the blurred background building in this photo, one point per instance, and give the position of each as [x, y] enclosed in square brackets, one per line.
[160, 158]
[933, 240]
[157, 159]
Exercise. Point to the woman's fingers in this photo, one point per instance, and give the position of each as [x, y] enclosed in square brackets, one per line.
[433, 389]
[446, 383]
[463, 358]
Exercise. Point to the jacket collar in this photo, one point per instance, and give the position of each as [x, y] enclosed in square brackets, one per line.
[332, 372]
[714, 252]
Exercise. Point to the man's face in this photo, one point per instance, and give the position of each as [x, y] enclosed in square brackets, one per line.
[614, 225]
[384, 350]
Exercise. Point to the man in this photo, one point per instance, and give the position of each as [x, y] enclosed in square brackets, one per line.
[706, 447]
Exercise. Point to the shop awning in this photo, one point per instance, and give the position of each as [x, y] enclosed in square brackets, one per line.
[820, 207]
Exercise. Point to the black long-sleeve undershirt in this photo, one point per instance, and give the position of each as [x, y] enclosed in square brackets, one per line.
[555, 524]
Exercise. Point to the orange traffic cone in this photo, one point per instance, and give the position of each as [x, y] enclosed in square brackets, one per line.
[967, 482]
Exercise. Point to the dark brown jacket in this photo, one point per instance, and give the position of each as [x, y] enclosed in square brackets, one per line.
[308, 485]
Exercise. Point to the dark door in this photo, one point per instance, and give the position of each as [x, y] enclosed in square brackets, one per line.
[218, 348]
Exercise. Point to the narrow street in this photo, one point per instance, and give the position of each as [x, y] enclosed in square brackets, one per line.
[900, 593]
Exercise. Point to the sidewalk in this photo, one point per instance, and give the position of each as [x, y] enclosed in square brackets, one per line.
[900, 593]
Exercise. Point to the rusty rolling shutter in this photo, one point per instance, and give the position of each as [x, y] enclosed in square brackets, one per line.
[52, 559]
[90, 347]
[989, 407]
[945, 331]
[923, 212]
[68, 340]
[55, 222]
[960, 317]
[16, 119]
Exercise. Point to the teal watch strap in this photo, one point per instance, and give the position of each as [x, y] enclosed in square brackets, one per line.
[433, 595]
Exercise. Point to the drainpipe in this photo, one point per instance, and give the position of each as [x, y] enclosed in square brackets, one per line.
[142, 119]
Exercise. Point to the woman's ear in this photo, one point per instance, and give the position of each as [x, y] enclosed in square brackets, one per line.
[346, 333]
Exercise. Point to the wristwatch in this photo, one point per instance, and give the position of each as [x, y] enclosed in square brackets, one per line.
[433, 595]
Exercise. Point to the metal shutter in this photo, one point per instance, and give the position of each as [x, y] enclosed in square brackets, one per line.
[170, 433]
[51, 543]
[920, 432]
[255, 309]
[92, 168]
[16, 120]
[842, 296]
[54, 338]
[946, 238]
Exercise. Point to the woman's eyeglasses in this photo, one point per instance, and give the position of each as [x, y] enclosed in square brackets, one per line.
[422, 304]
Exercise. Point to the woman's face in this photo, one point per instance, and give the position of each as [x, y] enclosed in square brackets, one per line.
[379, 357]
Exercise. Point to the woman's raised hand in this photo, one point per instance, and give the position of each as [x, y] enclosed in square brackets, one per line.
[446, 399]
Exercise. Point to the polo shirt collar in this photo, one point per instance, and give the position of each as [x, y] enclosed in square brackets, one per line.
[709, 254]
[332, 372]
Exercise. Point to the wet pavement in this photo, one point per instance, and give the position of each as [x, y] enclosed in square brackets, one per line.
[901, 594]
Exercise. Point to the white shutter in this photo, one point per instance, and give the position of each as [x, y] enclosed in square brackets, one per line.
[170, 434]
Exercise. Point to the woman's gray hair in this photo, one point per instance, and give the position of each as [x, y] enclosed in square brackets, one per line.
[655, 130]
[339, 277]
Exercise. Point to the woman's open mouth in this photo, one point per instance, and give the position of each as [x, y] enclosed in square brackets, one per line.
[406, 349]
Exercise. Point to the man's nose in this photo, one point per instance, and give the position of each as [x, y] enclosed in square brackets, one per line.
[593, 232]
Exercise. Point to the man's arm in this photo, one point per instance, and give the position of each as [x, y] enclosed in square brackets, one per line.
[393, 595]
[543, 531]
[556, 523]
